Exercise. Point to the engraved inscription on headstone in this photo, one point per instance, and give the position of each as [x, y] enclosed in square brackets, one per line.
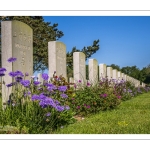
[57, 58]
[109, 72]
[17, 42]
[93, 70]
[79, 66]
[22, 45]
[102, 71]
[115, 74]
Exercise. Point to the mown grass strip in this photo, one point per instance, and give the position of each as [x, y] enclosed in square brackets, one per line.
[130, 117]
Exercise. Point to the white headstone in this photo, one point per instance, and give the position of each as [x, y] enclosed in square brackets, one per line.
[122, 76]
[93, 71]
[79, 67]
[57, 58]
[115, 74]
[16, 42]
[119, 75]
[109, 73]
[102, 71]
[125, 77]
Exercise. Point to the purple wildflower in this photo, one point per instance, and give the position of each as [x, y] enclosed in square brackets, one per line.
[12, 74]
[64, 95]
[36, 83]
[67, 107]
[51, 87]
[62, 88]
[2, 69]
[78, 107]
[42, 96]
[11, 84]
[25, 83]
[88, 84]
[48, 114]
[59, 108]
[18, 79]
[79, 81]
[47, 102]
[35, 97]
[45, 76]
[103, 95]
[12, 59]
[56, 102]
[2, 73]
[19, 73]
[88, 106]
[26, 74]
[27, 93]
[118, 97]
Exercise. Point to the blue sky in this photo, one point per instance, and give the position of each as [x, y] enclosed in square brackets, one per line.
[124, 40]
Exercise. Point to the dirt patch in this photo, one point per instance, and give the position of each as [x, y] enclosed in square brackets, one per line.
[79, 118]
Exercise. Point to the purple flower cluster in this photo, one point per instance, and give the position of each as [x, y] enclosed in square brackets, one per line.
[11, 84]
[2, 70]
[2, 73]
[36, 83]
[25, 83]
[15, 74]
[51, 87]
[62, 88]
[45, 76]
[27, 93]
[12, 59]
[103, 95]
[18, 79]
[45, 101]
[64, 95]
[48, 114]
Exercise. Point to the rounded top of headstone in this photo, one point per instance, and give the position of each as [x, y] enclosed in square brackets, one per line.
[56, 42]
[17, 23]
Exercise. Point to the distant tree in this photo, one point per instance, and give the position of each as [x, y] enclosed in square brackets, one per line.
[132, 71]
[114, 66]
[146, 74]
[43, 32]
[88, 51]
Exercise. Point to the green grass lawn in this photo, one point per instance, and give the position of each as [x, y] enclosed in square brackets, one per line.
[130, 117]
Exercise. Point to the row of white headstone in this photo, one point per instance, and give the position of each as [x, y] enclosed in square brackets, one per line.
[57, 62]
[17, 41]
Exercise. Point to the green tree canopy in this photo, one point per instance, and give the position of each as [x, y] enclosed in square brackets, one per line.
[43, 32]
[114, 67]
[88, 51]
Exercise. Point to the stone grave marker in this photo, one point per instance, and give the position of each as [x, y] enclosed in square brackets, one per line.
[16, 42]
[115, 74]
[102, 71]
[119, 75]
[93, 71]
[109, 73]
[57, 58]
[79, 67]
